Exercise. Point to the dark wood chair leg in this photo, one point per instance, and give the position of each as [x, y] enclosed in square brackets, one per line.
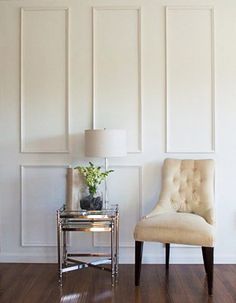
[167, 255]
[138, 261]
[204, 258]
[208, 257]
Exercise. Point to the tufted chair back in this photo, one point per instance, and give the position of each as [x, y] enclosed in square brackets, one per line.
[188, 187]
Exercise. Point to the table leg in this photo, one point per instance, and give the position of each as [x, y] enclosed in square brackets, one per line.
[117, 247]
[65, 247]
[113, 270]
[59, 247]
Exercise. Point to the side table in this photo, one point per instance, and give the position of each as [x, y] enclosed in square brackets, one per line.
[105, 220]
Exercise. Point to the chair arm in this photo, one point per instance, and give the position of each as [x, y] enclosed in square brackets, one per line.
[208, 215]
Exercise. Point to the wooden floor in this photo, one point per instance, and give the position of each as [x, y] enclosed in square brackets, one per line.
[37, 283]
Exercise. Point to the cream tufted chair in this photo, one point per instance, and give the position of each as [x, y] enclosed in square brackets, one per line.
[184, 214]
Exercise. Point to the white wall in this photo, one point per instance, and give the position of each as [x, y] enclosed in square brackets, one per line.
[166, 75]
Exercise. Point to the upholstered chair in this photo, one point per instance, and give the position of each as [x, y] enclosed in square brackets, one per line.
[184, 213]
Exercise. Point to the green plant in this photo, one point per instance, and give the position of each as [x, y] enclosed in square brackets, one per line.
[93, 176]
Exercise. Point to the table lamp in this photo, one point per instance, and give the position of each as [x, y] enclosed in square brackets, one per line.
[105, 143]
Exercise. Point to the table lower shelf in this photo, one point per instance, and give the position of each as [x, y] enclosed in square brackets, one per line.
[73, 264]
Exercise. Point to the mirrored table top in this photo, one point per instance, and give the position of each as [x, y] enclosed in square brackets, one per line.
[108, 213]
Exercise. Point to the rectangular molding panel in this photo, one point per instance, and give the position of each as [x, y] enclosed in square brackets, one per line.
[42, 193]
[190, 121]
[117, 71]
[44, 80]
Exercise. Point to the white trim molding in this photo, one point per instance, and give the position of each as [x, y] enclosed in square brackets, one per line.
[139, 49]
[212, 101]
[125, 258]
[67, 80]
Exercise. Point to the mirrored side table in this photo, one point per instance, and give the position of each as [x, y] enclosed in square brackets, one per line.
[95, 221]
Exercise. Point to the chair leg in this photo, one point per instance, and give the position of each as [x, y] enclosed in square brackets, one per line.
[208, 257]
[138, 261]
[167, 255]
[204, 258]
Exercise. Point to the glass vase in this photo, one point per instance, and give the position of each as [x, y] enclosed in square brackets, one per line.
[91, 201]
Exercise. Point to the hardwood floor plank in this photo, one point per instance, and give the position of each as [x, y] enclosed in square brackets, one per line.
[38, 283]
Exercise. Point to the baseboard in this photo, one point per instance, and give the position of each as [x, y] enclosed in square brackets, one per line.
[23, 258]
[124, 259]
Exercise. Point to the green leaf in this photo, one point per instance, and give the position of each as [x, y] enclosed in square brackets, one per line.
[93, 176]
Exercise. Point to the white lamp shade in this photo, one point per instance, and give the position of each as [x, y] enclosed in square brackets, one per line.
[105, 143]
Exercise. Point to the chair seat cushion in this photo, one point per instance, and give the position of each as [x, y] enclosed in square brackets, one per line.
[174, 227]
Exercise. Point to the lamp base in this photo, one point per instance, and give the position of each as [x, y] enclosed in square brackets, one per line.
[106, 204]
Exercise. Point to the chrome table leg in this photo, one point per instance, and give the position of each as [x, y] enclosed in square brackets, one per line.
[59, 247]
